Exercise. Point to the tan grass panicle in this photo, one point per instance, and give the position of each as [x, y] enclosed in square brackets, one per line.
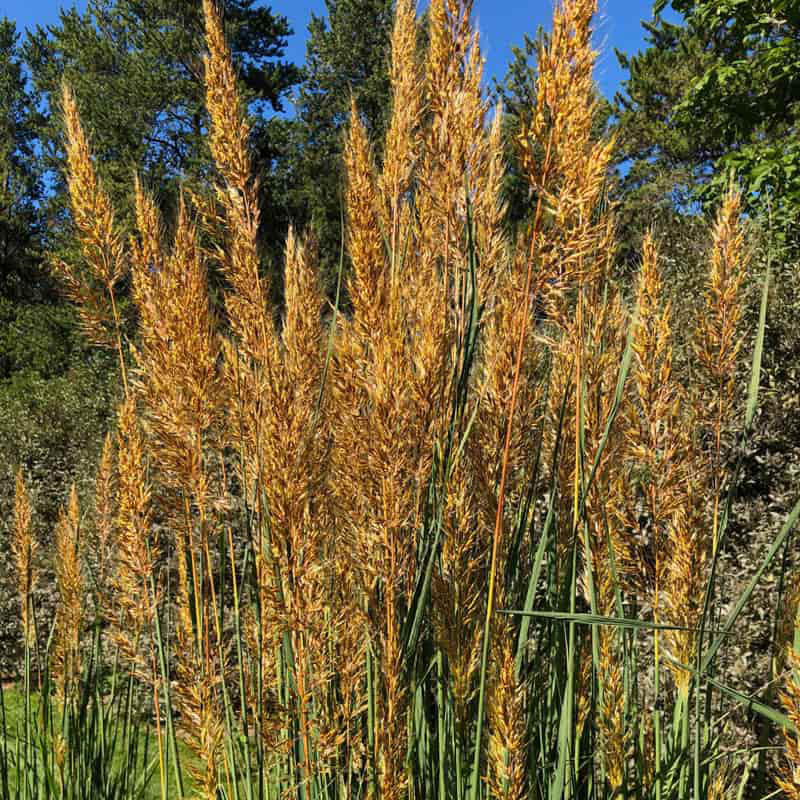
[136, 548]
[70, 584]
[24, 548]
[788, 778]
[718, 335]
[92, 289]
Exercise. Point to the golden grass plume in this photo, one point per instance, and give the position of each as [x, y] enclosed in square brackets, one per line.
[70, 584]
[24, 549]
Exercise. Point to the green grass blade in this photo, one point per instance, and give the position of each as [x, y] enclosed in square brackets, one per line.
[596, 619]
[755, 373]
[538, 562]
[750, 703]
[744, 597]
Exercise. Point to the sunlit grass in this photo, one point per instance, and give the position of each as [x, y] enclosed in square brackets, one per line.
[459, 542]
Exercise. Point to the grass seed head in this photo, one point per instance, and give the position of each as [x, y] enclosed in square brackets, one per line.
[788, 778]
[237, 193]
[91, 206]
[367, 286]
[507, 743]
[92, 290]
[105, 498]
[178, 375]
[23, 550]
[147, 250]
[230, 130]
[136, 551]
[69, 581]
[718, 338]
[613, 728]
[402, 138]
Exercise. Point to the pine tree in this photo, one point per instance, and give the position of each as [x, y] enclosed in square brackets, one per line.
[20, 177]
[136, 69]
[346, 57]
[660, 162]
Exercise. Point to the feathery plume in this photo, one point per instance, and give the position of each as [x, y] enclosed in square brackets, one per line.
[23, 549]
[178, 361]
[718, 338]
[722, 782]
[92, 211]
[69, 581]
[136, 550]
[302, 329]
[566, 103]
[230, 129]
[147, 250]
[612, 727]
[787, 622]
[105, 524]
[686, 568]
[788, 778]
[490, 208]
[180, 385]
[652, 428]
[101, 244]
[456, 156]
[507, 751]
[237, 194]
[367, 285]
[402, 138]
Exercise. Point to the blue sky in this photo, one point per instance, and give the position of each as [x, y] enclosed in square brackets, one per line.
[502, 23]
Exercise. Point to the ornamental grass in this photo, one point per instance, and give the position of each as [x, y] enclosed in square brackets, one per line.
[457, 538]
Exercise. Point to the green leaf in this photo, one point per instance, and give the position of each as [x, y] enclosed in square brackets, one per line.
[755, 373]
[596, 619]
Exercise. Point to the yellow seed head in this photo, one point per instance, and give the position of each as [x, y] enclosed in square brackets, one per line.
[69, 581]
[402, 138]
[105, 522]
[93, 291]
[718, 337]
[23, 549]
[135, 551]
[237, 193]
[788, 778]
[91, 206]
[367, 287]
[230, 129]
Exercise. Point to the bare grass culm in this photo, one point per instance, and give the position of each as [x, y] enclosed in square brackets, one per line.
[459, 541]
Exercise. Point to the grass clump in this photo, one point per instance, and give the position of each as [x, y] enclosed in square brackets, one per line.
[460, 541]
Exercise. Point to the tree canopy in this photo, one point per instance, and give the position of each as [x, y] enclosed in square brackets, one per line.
[135, 67]
[746, 91]
[20, 172]
[346, 58]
